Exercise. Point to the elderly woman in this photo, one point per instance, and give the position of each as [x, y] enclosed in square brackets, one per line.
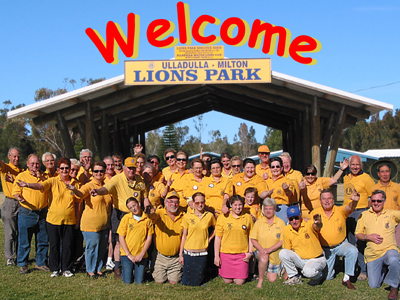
[94, 221]
[193, 180]
[233, 248]
[311, 187]
[249, 178]
[135, 235]
[227, 170]
[155, 161]
[61, 218]
[196, 237]
[155, 189]
[177, 180]
[267, 237]
[236, 164]
[217, 189]
[283, 188]
[170, 158]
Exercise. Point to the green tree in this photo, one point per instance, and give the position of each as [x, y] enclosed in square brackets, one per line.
[273, 139]
[246, 140]
[169, 140]
[153, 141]
[218, 143]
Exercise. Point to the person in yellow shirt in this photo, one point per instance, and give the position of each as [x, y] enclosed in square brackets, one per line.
[363, 184]
[301, 248]
[170, 158]
[155, 161]
[168, 232]
[227, 170]
[193, 181]
[94, 221]
[250, 206]
[178, 177]
[135, 235]
[85, 172]
[236, 163]
[333, 235]
[233, 248]
[196, 237]
[155, 189]
[376, 226]
[10, 207]
[32, 214]
[118, 159]
[263, 169]
[294, 175]
[49, 161]
[267, 237]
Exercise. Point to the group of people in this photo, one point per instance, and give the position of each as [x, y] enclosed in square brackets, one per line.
[224, 214]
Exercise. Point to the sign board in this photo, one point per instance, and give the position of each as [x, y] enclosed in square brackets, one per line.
[152, 72]
[199, 52]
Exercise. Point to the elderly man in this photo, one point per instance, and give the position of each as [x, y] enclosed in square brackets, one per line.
[10, 207]
[168, 232]
[49, 161]
[118, 158]
[294, 175]
[333, 234]
[31, 217]
[122, 187]
[363, 184]
[85, 172]
[302, 249]
[377, 226]
[263, 169]
[110, 168]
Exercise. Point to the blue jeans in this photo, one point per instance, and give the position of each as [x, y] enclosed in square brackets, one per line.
[345, 249]
[127, 270]
[95, 250]
[388, 265]
[281, 212]
[30, 221]
[351, 224]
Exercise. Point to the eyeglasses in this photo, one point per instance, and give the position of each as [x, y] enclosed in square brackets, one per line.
[309, 173]
[64, 168]
[181, 159]
[294, 218]
[236, 166]
[153, 161]
[198, 203]
[275, 167]
[74, 170]
[132, 168]
[170, 157]
[97, 171]
[376, 201]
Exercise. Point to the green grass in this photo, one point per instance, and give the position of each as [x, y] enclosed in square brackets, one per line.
[39, 285]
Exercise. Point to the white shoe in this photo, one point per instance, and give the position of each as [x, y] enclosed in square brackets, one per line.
[110, 265]
[55, 274]
[10, 262]
[294, 280]
[68, 273]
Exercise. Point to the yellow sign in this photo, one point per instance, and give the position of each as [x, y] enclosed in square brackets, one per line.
[199, 52]
[152, 72]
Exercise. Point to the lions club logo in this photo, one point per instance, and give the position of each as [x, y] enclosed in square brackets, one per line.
[211, 185]
[306, 236]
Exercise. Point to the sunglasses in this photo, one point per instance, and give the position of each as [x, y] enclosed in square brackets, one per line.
[294, 218]
[132, 168]
[170, 157]
[198, 203]
[236, 166]
[376, 201]
[97, 171]
[74, 170]
[309, 174]
[181, 159]
[275, 167]
[263, 153]
[153, 161]
[64, 168]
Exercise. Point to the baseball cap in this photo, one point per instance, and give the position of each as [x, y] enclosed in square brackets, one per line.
[130, 162]
[293, 211]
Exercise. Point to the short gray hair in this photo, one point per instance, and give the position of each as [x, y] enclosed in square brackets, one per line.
[75, 162]
[268, 202]
[286, 154]
[85, 150]
[48, 154]
[13, 148]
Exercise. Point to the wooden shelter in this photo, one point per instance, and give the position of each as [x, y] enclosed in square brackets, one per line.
[111, 116]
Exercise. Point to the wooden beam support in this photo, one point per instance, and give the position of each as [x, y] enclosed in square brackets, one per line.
[105, 139]
[306, 133]
[89, 128]
[143, 140]
[66, 138]
[326, 137]
[117, 147]
[316, 137]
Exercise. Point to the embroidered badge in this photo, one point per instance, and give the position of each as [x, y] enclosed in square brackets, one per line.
[278, 235]
[135, 194]
[387, 225]
[244, 227]
[211, 185]
[307, 236]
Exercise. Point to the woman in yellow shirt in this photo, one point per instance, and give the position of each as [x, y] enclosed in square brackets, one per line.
[233, 248]
[195, 240]
[94, 221]
[155, 189]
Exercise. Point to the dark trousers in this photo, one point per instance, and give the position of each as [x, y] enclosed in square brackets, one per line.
[61, 239]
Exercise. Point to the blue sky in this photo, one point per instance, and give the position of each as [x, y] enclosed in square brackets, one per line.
[44, 42]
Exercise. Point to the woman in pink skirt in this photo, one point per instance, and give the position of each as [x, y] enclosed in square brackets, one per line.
[232, 243]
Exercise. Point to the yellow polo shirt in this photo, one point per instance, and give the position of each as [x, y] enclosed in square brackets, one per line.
[229, 175]
[8, 186]
[314, 191]
[97, 209]
[383, 224]
[253, 210]
[304, 242]
[279, 194]
[158, 177]
[135, 233]
[168, 232]
[235, 232]
[197, 236]
[34, 199]
[167, 173]
[333, 232]
[48, 175]
[392, 191]
[260, 171]
[62, 205]
[363, 183]
[268, 235]
[120, 189]
[191, 186]
[178, 185]
[240, 184]
[81, 177]
[215, 191]
[154, 190]
[295, 176]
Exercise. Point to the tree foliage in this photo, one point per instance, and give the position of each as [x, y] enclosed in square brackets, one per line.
[246, 140]
[273, 139]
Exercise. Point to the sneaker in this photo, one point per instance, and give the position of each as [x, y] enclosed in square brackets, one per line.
[10, 262]
[68, 273]
[281, 272]
[42, 268]
[23, 270]
[55, 274]
[110, 265]
[293, 280]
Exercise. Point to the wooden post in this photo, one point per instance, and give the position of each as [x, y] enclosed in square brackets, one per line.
[306, 137]
[143, 140]
[62, 127]
[326, 138]
[105, 139]
[81, 132]
[316, 137]
[116, 137]
[330, 163]
[89, 130]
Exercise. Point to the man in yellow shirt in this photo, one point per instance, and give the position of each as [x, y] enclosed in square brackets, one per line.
[118, 158]
[168, 232]
[377, 227]
[10, 207]
[363, 184]
[263, 169]
[49, 161]
[301, 248]
[32, 214]
[333, 235]
[294, 175]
